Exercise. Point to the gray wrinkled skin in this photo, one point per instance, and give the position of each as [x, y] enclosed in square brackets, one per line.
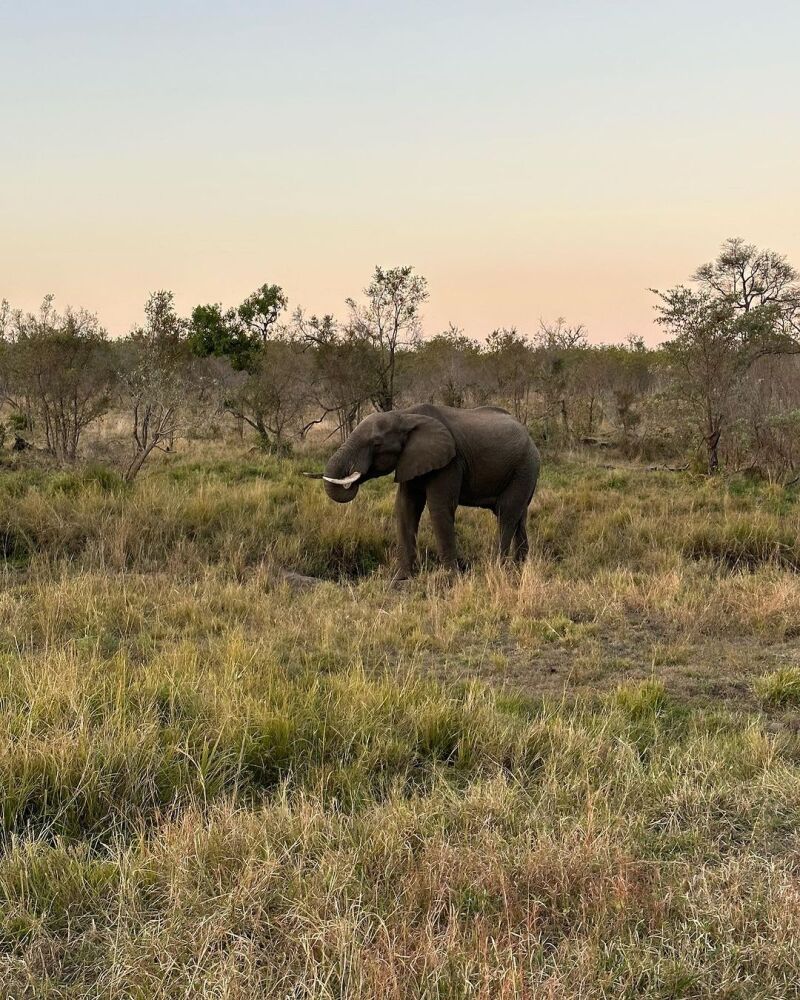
[443, 458]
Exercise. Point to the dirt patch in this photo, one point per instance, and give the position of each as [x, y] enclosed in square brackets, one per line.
[706, 673]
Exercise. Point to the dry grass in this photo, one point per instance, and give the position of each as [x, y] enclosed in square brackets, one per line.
[578, 780]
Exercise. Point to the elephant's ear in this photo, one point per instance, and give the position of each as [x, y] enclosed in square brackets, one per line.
[429, 446]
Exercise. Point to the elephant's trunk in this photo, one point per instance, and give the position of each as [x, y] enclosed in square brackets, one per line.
[341, 478]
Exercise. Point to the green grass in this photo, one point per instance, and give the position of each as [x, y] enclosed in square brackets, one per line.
[781, 687]
[578, 780]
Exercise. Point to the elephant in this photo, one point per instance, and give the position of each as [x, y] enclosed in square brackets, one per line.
[442, 457]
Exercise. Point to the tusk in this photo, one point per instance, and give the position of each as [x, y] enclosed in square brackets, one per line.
[313, 475]
[347, 482]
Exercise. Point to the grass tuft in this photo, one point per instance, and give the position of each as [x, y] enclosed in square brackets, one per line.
[781, 688]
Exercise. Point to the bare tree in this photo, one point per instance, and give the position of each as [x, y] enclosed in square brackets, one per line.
[446, 368]
[342, 380]
[509, 358]
[749, 278]
[58, 372]
[275, 396]
[587, 388]
[155, 389]
[556, 350]
[711, 349]
[155, 377]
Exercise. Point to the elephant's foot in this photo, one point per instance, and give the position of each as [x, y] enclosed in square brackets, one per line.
[402, 576]
[452, 570]
[454, 564]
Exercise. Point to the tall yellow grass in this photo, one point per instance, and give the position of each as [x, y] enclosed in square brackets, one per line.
[509, 784]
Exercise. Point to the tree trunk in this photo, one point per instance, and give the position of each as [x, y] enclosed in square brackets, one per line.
[136, 464]
[712, 443]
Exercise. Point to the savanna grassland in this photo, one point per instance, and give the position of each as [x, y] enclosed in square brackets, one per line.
[577, 780]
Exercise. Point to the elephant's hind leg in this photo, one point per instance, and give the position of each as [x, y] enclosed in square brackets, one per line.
[507, 527]
[512, 513]
[521, 539]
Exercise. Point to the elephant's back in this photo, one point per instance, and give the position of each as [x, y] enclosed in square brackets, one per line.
[485, 434]
[488, 424]
[494, 444]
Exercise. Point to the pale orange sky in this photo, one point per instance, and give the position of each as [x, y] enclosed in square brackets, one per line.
[538, 160]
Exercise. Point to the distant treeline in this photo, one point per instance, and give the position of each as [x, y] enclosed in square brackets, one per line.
[723, 388]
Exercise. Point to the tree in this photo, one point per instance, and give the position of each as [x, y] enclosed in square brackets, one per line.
[767, 429]
[163, 327]
[342, 362]
[746, 307]
[260, 311]
[237, 334]
[59, 372]
[446, 368]
[557, 347]
[630, 377]
[509, 358]
[587, 387]
[749, 279]
[6, 338]
[713, 345]
[214, 333]
[155, 389]
[388, 321]
[156, 375]
[273, 399]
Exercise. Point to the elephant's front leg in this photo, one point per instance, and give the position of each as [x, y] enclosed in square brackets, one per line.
[443, 491]
[443, 519]
[408, 506]
[444, 528]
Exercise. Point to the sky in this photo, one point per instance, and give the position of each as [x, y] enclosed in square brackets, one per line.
[532, 160]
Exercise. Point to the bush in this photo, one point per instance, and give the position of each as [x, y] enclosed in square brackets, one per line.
[18, 421]
[97, 477]
[745, 542]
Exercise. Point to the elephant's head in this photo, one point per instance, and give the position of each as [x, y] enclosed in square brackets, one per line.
[408, 444]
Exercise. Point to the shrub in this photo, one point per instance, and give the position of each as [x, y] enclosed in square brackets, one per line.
[18, 421]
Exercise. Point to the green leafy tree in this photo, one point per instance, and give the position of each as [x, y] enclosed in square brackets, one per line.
[388, 322]
[220, 334]
[237, 334]
[260, 311]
